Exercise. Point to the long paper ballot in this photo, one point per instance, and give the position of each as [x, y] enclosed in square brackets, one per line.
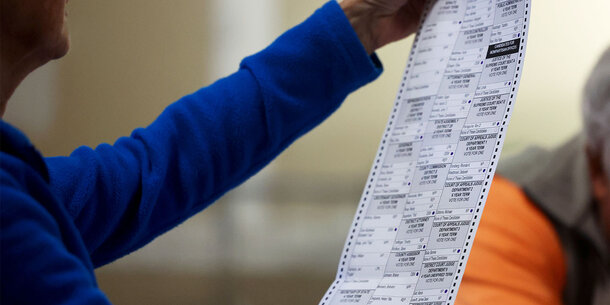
[419, 212]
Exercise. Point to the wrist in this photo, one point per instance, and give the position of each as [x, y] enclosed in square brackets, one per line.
[362, 19]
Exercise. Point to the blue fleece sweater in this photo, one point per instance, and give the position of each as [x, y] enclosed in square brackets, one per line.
[61, 217]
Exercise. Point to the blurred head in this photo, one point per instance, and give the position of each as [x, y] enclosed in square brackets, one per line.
[34, 28]
[596, 111]
[32, 32]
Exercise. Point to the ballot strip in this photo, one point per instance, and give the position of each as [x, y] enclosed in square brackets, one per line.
[418, 216]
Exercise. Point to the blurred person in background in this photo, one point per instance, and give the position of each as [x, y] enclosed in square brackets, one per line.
[62, 217]
[544, 238]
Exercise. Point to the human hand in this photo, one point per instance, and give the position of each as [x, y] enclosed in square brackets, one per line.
[379, 22]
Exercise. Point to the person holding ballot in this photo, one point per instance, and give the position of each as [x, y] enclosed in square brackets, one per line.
[61, 217]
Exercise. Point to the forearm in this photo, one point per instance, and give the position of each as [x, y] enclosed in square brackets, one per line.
[122, 196]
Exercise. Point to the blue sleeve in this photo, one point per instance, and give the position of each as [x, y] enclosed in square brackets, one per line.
[122, 196]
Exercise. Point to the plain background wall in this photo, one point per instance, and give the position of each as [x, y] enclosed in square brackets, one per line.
[277, 238]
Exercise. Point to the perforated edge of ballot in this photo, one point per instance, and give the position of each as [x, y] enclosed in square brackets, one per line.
[455, 115]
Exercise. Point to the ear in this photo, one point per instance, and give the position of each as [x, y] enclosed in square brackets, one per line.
[599, 179]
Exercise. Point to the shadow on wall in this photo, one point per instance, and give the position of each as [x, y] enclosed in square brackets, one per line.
[149, 288]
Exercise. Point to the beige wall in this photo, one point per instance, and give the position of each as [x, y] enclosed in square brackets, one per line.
[131, 58]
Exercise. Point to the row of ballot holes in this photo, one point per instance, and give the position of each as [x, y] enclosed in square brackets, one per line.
[377, 158]
[491, 169]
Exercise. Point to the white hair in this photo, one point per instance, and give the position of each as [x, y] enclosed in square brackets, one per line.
[596, 109]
